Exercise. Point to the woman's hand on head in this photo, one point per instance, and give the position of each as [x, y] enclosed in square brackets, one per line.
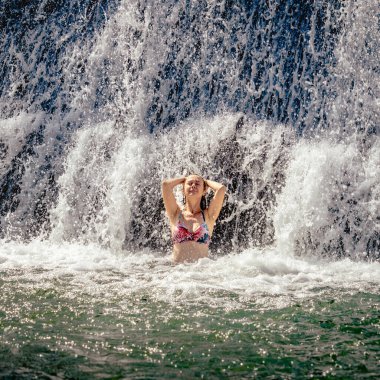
[217, 201]
[170, 202]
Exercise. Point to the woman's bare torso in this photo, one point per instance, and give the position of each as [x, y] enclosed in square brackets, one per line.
[190, 251]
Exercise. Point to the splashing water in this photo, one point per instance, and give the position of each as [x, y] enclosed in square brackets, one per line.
[102, 100]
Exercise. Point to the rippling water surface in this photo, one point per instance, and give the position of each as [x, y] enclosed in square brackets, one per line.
[83, 312]
[277, 100]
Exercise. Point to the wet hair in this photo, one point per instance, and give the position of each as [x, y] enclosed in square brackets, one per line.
[203, 203]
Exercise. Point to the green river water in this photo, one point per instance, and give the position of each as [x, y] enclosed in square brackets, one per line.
[55, 329]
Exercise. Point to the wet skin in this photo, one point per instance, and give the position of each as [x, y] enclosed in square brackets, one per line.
[191, 251]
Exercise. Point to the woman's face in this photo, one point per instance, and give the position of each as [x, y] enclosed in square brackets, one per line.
[194, 186]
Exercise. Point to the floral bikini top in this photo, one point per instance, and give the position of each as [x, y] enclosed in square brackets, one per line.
[181, 233]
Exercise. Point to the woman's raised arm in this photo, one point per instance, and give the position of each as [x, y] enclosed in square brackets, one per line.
[217, 201]
[170, 202]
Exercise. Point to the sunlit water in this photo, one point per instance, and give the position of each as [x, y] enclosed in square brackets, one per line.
[82, 312]
[278, 100]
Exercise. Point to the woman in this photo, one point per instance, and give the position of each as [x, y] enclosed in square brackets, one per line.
[192, 227]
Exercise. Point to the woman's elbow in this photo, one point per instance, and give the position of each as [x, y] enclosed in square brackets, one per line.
[165, 185]
[221, 190]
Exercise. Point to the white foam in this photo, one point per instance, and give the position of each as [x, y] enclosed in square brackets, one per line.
[264, 276]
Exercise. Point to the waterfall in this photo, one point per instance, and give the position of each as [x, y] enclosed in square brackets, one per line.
[277, 99]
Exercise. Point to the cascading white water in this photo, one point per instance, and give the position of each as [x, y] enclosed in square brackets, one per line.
[110, 192]
[354, 108]
[330, 204]
[101, 100]
[91, 171]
